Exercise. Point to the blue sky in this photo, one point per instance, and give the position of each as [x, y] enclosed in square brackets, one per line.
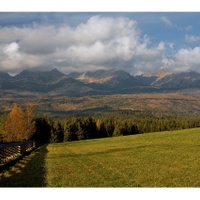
[137, 42]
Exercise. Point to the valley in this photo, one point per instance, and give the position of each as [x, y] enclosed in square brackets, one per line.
[180, 103]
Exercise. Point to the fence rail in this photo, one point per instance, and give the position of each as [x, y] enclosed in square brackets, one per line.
[10, 151]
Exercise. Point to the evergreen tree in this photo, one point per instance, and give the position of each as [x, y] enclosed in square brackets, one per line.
[69, 128]
[42, 131]
[57, 132]
[118, 131]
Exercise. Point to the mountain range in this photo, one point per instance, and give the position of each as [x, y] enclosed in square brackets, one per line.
[97, 82]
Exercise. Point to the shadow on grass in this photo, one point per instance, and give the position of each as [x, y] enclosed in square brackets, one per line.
[28, 172]
[115, 150]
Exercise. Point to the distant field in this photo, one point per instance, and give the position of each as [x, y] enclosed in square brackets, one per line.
[164, 159]
[181, 103]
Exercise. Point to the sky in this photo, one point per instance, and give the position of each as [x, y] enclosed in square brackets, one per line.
[137, 42]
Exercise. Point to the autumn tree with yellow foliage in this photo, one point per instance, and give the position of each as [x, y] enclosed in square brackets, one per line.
[19, 125]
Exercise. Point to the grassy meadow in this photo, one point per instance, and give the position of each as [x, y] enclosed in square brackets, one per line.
[162, 159]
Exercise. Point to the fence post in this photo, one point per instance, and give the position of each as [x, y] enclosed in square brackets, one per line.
[9, 151]
[2, 156]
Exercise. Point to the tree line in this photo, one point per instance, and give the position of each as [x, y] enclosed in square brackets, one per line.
[21, 125]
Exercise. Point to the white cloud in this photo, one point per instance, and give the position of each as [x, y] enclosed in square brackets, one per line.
[9, 56]
[167, 22]
[184, 60]
[192, 38]
[11, 48]
[189, 28]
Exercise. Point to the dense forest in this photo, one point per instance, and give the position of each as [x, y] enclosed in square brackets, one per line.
[21, 125]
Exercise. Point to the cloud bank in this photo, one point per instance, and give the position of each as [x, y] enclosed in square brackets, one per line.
[100, 43]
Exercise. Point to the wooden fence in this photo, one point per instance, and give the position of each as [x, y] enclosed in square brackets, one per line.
[10, 151]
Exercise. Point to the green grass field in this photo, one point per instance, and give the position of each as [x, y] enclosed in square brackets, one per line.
[164, 159]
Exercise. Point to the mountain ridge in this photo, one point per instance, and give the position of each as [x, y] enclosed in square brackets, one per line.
[101, 82]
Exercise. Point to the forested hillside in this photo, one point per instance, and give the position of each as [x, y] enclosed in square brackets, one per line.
[172, 104]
